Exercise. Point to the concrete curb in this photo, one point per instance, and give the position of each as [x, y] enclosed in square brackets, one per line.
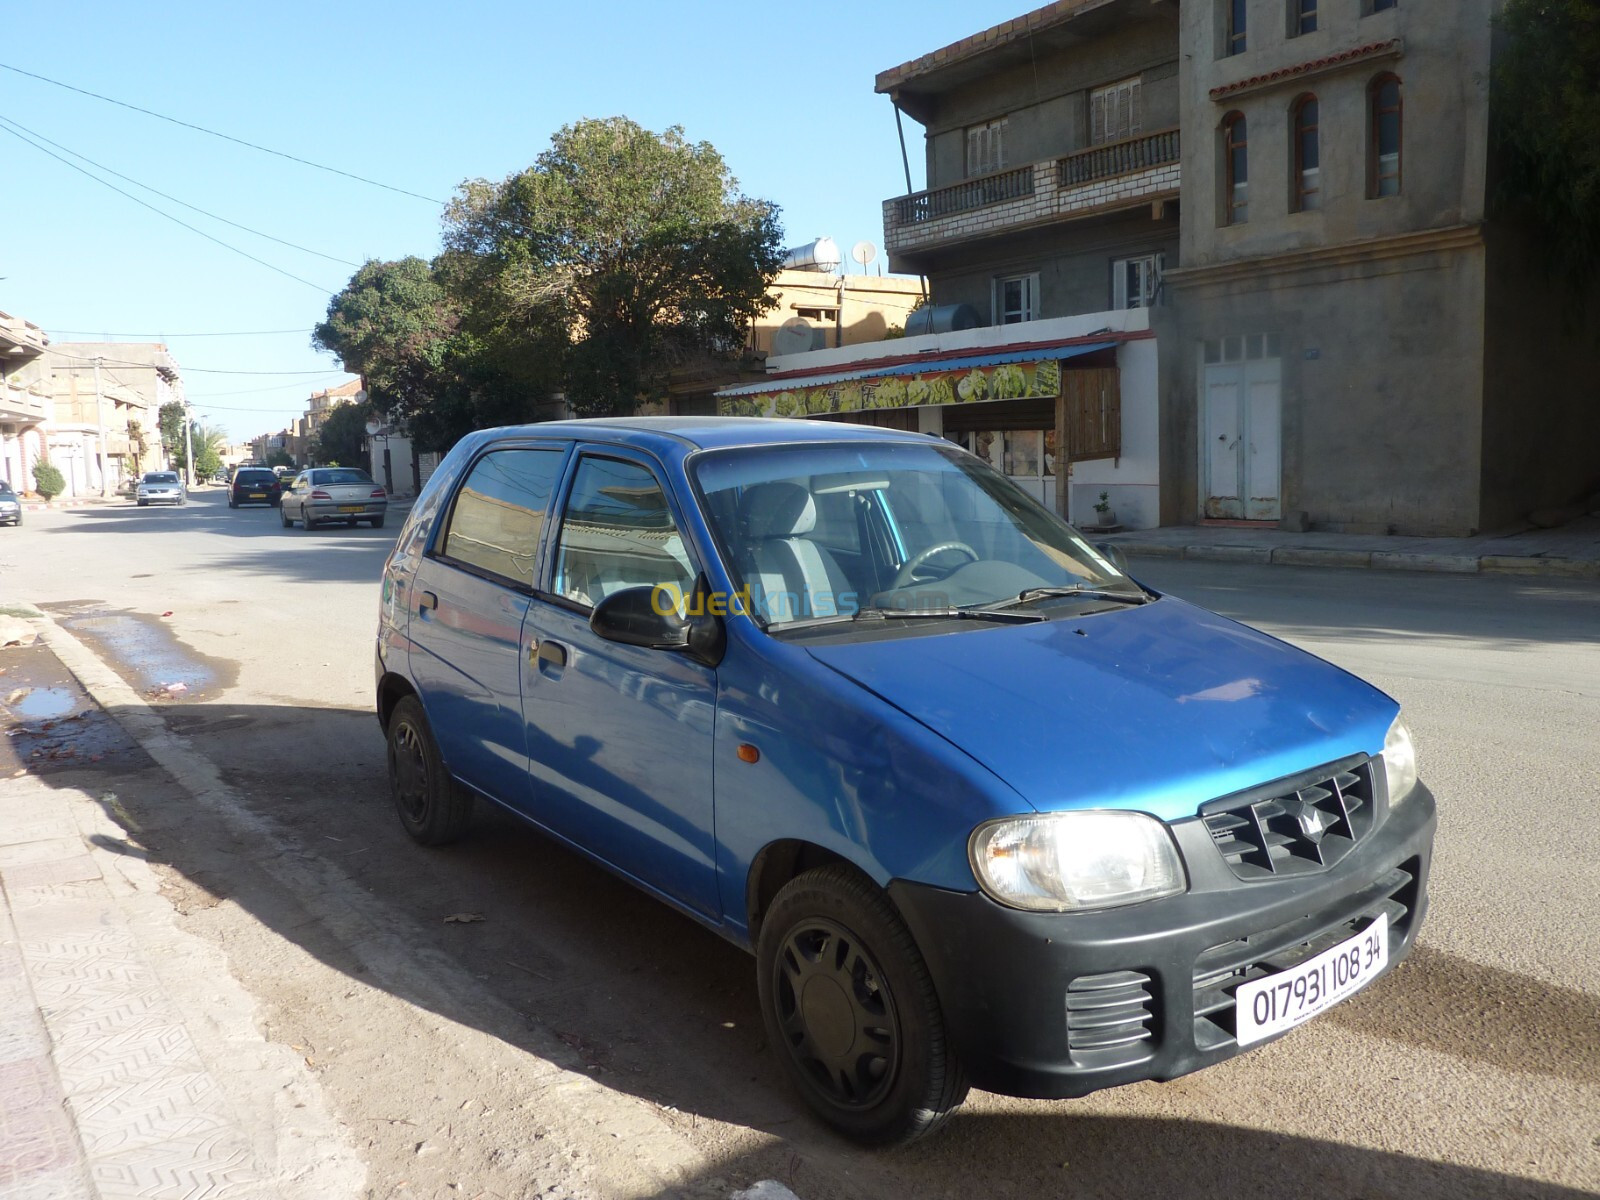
[1381, 560]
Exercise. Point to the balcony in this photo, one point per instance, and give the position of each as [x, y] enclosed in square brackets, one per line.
[21, 404]
[1101, 179]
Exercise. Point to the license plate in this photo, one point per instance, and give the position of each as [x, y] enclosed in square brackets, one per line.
[1282, 1001]
[258, 495]
[349, 508]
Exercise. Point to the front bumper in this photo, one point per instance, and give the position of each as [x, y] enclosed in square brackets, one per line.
[160, 497]
[1053, 1005]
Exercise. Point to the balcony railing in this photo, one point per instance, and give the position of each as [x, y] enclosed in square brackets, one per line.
[1119, 158]
[965, 196]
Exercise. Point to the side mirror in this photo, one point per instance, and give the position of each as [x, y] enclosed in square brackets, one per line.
[633, 618]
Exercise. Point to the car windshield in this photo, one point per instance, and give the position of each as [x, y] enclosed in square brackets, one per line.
[161, 477]
[341, 475]
[834, 531]
[5, 488]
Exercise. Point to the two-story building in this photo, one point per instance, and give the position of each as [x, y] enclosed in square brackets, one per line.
[1286, 205]
[25, 407]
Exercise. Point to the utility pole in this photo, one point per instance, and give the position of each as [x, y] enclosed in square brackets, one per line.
[100, 419]
[188, 446]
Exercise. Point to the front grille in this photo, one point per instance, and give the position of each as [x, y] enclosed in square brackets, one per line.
[1108, 1016]
[1302, 824]
[1219, 971]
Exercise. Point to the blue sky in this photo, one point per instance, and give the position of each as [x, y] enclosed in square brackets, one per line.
[420, 96]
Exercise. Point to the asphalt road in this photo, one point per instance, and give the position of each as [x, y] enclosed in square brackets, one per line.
[1474, 1070]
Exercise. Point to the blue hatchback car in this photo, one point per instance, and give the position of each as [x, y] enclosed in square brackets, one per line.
[987, 811]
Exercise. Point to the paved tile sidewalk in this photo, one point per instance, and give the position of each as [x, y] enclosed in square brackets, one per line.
[106, 1091]
[1571, 552]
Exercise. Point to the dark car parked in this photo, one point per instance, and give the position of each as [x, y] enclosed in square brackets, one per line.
[254, 485]
[10, 505]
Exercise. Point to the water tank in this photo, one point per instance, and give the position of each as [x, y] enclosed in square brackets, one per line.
[942, 318]
[821, 255]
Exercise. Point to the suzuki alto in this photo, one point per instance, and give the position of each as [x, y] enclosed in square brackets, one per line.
[987, 811]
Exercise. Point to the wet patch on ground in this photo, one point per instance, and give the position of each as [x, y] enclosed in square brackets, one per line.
[147, 654]
[49, 724]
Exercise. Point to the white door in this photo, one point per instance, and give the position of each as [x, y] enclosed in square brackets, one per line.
[1242, 453]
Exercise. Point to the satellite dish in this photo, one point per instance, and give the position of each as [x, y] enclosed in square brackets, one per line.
[863, 253]
[794, 336]
[373, 427]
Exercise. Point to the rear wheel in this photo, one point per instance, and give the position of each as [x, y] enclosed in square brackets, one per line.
[232, 503]
[377, 522]
[431, 807]
[305, 520]
[850, 1008]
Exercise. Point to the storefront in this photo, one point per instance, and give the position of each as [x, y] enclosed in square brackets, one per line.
[1015, 407]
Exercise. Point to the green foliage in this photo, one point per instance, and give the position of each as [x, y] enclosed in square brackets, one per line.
[619, 256]
[280, 458]
[48, 480]
[169, 419]
[207, 462]
[343, 436]
[1546, 97]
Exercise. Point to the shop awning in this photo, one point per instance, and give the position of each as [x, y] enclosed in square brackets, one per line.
[964, 379]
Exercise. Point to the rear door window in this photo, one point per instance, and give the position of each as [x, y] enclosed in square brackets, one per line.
[498, 516]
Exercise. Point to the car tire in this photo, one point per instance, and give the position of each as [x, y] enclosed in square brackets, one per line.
[833, 932]
[283, 516]
[433, 809]
[232, 503]
[305, 520]
[377, 522]
[142, 503]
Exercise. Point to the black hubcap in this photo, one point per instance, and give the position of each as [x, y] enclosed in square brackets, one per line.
[408, 768]
[836, 1013]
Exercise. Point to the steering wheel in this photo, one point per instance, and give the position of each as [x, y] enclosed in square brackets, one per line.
[908, 569]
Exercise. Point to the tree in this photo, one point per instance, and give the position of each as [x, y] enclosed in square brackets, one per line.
[618, 256]
[280, 458]
[1546, 91]
[343, 436]
[169, 420]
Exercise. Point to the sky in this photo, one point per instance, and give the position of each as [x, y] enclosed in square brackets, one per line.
[416, 96]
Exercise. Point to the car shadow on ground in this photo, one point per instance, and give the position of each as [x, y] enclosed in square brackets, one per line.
[649, 1003]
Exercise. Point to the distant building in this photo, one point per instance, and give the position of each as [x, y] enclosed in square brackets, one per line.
[105, 428]
[324, 402]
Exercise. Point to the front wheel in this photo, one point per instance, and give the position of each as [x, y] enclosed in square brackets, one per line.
[850, 1008]
[283, 516]
[432, 808]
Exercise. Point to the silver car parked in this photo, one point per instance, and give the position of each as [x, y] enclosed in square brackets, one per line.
[323, 494]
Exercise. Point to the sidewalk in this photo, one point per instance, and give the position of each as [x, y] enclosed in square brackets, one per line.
[1570, 552]
[130, 1060]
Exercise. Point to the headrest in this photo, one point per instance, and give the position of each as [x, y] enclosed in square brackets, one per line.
[777, 510]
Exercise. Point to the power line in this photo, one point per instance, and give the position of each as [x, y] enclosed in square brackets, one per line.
[224, 136]
[276, 387]
[120, 362]
[117, 337]
[9, 123]
[144, 204]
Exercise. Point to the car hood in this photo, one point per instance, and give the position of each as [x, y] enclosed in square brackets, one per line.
[1157, 708]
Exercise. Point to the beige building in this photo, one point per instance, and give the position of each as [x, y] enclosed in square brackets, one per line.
[324, 402]
[106, 399]
[25, 404]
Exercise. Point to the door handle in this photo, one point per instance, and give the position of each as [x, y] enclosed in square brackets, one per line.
[427, 602]
[553, 653]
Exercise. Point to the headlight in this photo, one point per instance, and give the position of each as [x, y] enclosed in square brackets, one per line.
[1070, 862]
[1399, 761]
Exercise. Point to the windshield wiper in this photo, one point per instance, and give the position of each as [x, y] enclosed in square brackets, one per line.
[875, 613]
[1080, 590]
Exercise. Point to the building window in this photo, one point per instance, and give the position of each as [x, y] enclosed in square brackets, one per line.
[1114, 112]
[1248, 348]
[986, 148]
[1136, 282]
[1302, 17]
[1368, 7]
[1016, 299]
[1307, 182]
[1383, 153]
[1235, 170]
[1233, 34]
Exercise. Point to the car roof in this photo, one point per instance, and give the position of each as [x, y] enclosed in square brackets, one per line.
[704, 433]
